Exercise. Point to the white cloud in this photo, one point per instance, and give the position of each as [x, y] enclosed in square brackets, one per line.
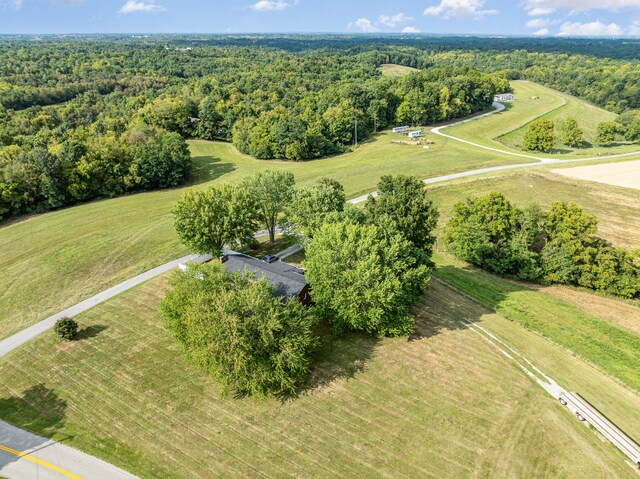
[365, 25]
[270, 5]
[132, 7]
[634, 28]
[13, 4]
[538, 23]
[594, 29]
[410, 30]
[539, 11]
[459, 9]
[541, 33]
[539, 7]
[394, 20]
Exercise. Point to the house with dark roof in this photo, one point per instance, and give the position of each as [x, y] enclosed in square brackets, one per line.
[287, 280]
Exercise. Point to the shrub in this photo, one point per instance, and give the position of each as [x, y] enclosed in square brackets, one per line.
[66, 328]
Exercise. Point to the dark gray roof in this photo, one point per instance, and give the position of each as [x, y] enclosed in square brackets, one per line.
[287, 280]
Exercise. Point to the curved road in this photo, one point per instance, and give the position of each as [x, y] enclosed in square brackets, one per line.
[498, 107]
[24, 455]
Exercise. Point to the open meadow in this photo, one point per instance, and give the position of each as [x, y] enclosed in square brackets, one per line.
[372, 407]
[393, 70]
[506, 129]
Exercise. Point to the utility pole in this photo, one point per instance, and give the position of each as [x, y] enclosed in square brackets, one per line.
[375, 123]
[355, 138]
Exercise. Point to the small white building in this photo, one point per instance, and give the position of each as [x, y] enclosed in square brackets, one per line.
[400, 129]
[504, 97]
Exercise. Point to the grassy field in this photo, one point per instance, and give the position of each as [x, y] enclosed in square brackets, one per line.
[443, 404]
[533, 101]
[617, 209]
[54, 260]
[393, 70]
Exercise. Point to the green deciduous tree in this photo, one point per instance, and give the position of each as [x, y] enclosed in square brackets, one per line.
[235, 329]
[571, 133]
[607, 132]
[404, 200]
[364, 279]
[272, 191]
[207, 220]
[310, 206]
[540, 136]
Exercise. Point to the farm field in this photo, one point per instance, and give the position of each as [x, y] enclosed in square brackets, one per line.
[375, 407]
[393, 70]
[626, 174]
[533, 101]
[54, 260]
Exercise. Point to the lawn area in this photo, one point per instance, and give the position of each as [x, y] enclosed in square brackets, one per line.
[443, 404]
[533, 101]
[393, 70]
[54, 260]
[617, 209]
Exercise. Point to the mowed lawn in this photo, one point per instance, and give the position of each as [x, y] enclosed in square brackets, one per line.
[534, 101]
[617, 209]
[54, 260]
[442, 404]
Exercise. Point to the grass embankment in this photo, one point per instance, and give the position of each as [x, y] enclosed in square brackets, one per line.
[394, 70]
[52, 261]
[612, 349]
[444, 404]
[506, 130]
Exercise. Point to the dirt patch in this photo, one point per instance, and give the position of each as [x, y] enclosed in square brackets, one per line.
[625, 174]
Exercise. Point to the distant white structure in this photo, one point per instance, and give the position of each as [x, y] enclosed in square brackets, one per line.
[400, 129]
[414, 134]
[504, 97]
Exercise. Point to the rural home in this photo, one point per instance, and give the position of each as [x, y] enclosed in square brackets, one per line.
[504, 97]
[287, 280]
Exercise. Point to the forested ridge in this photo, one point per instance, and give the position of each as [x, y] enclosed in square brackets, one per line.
[95, 116]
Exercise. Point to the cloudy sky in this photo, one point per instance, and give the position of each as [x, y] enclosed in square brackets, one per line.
[521, 17]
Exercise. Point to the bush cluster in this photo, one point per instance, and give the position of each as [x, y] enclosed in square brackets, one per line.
[559, 246]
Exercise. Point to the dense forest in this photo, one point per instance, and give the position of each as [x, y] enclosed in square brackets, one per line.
[96, 116]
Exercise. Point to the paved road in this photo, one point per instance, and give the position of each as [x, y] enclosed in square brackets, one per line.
[26, 456]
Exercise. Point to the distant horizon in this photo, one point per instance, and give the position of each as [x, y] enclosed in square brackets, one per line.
[526, 18]
[320, 33]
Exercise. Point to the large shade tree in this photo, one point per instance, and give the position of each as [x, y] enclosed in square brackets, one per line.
[235, 329]
[364, 279]
[311, 205]
[404, 200]
[272, 191]
[207, 220]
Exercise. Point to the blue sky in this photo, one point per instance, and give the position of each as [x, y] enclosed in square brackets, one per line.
[519, 17]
